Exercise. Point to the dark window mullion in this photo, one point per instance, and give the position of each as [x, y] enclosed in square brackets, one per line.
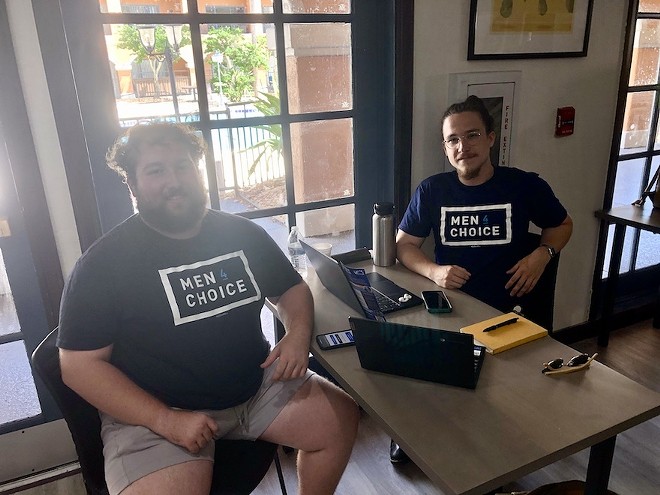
[280, 50]
[193, 20]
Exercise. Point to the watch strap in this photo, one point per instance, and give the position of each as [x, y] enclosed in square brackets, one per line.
[551, 251]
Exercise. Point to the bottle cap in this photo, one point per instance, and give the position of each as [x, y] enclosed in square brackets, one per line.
[384, 208]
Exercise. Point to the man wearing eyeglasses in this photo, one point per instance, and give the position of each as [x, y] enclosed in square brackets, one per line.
[479, 215]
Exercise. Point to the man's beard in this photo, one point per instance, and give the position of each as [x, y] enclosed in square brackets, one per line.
[163, 219]
[468, 174]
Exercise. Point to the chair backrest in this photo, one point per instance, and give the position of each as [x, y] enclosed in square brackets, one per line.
[239, 466]
[81, 417]
[539, 304]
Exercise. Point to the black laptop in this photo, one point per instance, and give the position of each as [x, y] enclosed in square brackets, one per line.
[336, 278]
[428, 354]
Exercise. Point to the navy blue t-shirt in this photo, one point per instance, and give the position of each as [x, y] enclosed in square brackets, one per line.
[482, 228]
[183, 315]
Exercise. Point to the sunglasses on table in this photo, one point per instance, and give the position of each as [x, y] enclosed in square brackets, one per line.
[576, 363]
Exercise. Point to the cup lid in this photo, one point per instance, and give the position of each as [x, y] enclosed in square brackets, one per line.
[384, 208]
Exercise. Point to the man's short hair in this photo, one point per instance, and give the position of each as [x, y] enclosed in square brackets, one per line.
[472, 104]
[123, 155]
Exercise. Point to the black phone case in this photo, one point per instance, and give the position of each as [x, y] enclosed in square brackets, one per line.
[442, 295]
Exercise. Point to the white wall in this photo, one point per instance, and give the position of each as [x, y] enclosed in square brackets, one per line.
[575, 166]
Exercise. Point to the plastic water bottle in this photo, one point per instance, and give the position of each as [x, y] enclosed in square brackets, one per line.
[296, 252]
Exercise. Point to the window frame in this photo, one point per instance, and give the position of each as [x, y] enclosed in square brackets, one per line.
[636, 283]
[382, 159]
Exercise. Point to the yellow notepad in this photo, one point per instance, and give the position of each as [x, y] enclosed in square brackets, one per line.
[507, 336]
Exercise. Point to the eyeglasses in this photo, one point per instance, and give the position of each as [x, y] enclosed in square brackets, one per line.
[469, 138]
[576, 363]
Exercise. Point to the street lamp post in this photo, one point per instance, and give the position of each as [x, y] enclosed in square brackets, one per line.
[217, 58]
[148, 40]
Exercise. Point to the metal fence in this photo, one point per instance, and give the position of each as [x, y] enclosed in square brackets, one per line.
[243, 155]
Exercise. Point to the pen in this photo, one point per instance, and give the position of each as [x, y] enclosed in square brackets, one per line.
[501, 324]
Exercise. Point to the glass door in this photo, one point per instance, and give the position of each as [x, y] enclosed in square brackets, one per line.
[269, 84]
[635, 154]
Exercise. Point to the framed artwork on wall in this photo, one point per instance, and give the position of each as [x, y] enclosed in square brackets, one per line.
[499, 91]
[515, 29]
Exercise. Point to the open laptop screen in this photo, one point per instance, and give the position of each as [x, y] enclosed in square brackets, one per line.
[357, 277]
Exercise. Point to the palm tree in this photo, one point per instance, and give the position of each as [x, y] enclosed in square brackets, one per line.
[270, 147]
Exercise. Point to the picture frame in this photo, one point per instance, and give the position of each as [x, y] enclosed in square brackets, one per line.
[500, 93]
[518, 29]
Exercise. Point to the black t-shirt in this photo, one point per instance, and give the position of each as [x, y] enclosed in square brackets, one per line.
[183, 316]
[483, 228]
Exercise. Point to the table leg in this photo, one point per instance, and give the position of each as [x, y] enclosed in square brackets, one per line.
[600, 464]
[610, 289]
[656, 314]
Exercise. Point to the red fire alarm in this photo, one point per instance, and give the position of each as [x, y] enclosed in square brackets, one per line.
[565, 121]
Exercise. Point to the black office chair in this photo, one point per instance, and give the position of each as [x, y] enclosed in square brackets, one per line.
[539, 304]
[239, 466]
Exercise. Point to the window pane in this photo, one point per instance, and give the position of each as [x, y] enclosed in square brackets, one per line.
[644, 65]
[18, 394]
[648, 253]
[143, 79]
[637, 122]
[8, 318]
[234, 7]
[318, 67]
[649, 6]
[628, 182]
[144, 6]
[335, 225]
[316, 6]
[322, 155]
[249, 167]
[626, 254]
[244, 58]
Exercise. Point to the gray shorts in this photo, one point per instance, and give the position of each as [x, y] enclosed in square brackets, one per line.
[131, 452]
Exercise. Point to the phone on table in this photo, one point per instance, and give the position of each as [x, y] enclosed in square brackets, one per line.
[335, 340]
[436, 301]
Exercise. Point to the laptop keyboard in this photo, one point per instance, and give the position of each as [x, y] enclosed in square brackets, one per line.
[385, 303]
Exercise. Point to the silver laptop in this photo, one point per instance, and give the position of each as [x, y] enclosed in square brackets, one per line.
[336, 278]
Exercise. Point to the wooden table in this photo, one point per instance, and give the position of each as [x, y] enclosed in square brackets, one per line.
[641, 217]
[515, 422]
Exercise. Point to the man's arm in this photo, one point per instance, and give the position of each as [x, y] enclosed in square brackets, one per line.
[95, 379]
[296, 311]
[526, 273]
[410, 254]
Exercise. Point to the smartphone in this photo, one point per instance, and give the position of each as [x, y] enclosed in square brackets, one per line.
[436, 301]
[335, 340]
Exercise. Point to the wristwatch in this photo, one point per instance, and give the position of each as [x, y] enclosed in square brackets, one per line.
[551, 251]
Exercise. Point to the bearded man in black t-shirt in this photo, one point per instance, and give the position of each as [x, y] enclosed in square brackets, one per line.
[160, 330]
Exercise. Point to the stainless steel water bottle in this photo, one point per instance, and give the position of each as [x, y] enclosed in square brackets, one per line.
[384, 245]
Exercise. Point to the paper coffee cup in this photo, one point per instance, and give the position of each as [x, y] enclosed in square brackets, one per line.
[324, 247]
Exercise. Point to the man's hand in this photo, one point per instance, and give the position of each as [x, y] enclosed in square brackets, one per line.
[527, 272]
[189, 429]
[449, 276]
[293, 354]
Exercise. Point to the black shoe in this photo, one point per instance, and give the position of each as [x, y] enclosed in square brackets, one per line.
[397, 455]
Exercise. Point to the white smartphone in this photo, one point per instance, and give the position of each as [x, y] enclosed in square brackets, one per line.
[335, 340]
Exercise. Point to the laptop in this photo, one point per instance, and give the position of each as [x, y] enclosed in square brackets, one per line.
[427, 354]
[337, 279]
